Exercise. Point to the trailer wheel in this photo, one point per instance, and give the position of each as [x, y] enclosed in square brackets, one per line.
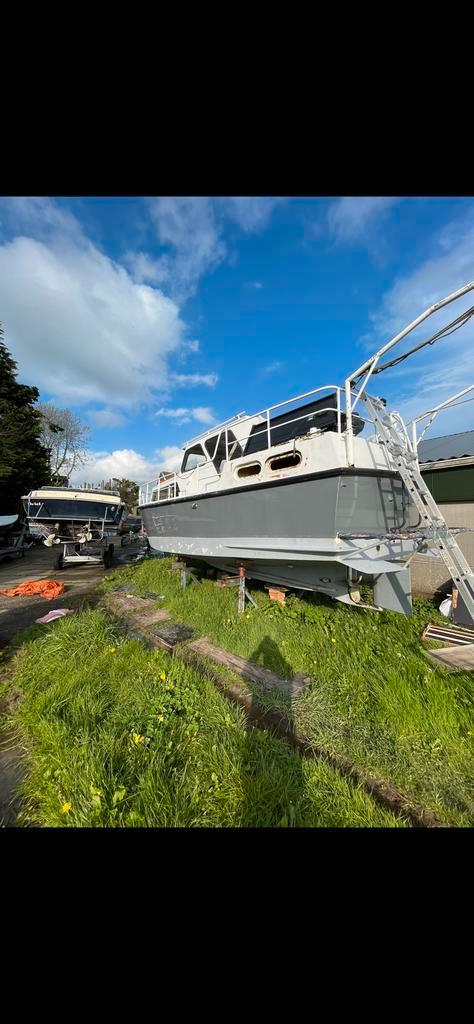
[59, 562]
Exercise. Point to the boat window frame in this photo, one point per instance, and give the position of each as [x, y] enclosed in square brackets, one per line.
[218, 457]
[190, 451]
[240, 470]
[292, 453]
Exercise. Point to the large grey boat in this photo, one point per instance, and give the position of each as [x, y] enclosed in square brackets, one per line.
[309, 494]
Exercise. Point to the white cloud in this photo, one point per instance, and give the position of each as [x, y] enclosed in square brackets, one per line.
[251, 213]
[129, 464]
[107, 418]
[191, 228]
[188, 225]
[203, 414]
[120, 463]
[350, 218]
[40, 215]
[183, 415]
[274, 367]
[191, 346]
[174, 413]
[193, 380]
[256, 284]
[170, 458]
[144, 268]
[432, 375]
[78, 324]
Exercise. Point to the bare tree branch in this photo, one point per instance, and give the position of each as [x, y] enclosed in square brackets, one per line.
[65, 436]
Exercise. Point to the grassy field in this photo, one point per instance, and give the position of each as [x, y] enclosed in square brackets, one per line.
[375, 696]
[115, 735]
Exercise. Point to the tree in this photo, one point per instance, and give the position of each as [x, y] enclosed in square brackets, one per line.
[65, 437]
[129, 492]
[24, 462]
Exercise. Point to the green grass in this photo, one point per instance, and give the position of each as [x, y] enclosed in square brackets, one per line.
[109, 742]
[374, 697]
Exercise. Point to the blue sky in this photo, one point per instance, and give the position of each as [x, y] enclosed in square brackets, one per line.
[154, 317]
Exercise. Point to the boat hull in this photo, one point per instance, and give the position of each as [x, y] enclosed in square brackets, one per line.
[289, 531]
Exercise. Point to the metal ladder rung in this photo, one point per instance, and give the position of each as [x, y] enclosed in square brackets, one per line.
[398, 446]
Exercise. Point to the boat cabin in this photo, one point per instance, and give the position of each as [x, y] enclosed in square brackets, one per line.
[209, 457]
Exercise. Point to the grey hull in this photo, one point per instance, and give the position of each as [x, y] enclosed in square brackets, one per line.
[288, 531]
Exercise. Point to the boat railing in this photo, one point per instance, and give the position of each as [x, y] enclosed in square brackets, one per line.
[356, 384]
[166, 484]
[431, 414]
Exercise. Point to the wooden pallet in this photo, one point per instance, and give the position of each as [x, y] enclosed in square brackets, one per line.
[455, 635]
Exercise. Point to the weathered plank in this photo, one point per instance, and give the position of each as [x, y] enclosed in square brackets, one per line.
[248, 669]
[195, 651]
[137, 609]
[283, 726]
[455, 657]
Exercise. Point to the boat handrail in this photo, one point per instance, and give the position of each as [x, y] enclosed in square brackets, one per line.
[241, 417]
[366, 370]
[431, 415]
[167, 480]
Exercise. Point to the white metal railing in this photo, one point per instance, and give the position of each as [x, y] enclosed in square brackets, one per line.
[166, 484]
[431, 414]
[369, 366]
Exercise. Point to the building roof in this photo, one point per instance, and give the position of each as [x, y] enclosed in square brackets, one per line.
[453, 446]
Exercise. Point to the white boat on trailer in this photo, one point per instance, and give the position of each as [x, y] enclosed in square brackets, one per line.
[300, 495]
[83, 520]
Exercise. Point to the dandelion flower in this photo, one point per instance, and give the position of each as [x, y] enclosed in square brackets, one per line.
[137, 738]
[66, 808]
[163, 676]
[333, 639]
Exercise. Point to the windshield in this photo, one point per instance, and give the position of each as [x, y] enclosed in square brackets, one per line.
[193, 457]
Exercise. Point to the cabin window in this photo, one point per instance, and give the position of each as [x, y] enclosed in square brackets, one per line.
[193, 458]
[289, 460]
[251, 469]
[215, 447]
[235, 448]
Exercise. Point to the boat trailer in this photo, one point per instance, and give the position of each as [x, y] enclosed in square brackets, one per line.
[83, 549]
[84, 553]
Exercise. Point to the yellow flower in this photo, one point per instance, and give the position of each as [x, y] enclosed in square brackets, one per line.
[111, 650]
[333, 639]
[163, 676]
[137, 738]
[66, 808]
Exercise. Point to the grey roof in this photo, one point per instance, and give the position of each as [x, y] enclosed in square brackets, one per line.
[453, 446]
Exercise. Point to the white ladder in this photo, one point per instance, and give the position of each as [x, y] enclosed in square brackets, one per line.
[398, 445]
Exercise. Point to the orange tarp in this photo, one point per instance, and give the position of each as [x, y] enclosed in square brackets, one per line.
[48, 589]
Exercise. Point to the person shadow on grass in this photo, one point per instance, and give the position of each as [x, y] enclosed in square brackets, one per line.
[271, 768]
